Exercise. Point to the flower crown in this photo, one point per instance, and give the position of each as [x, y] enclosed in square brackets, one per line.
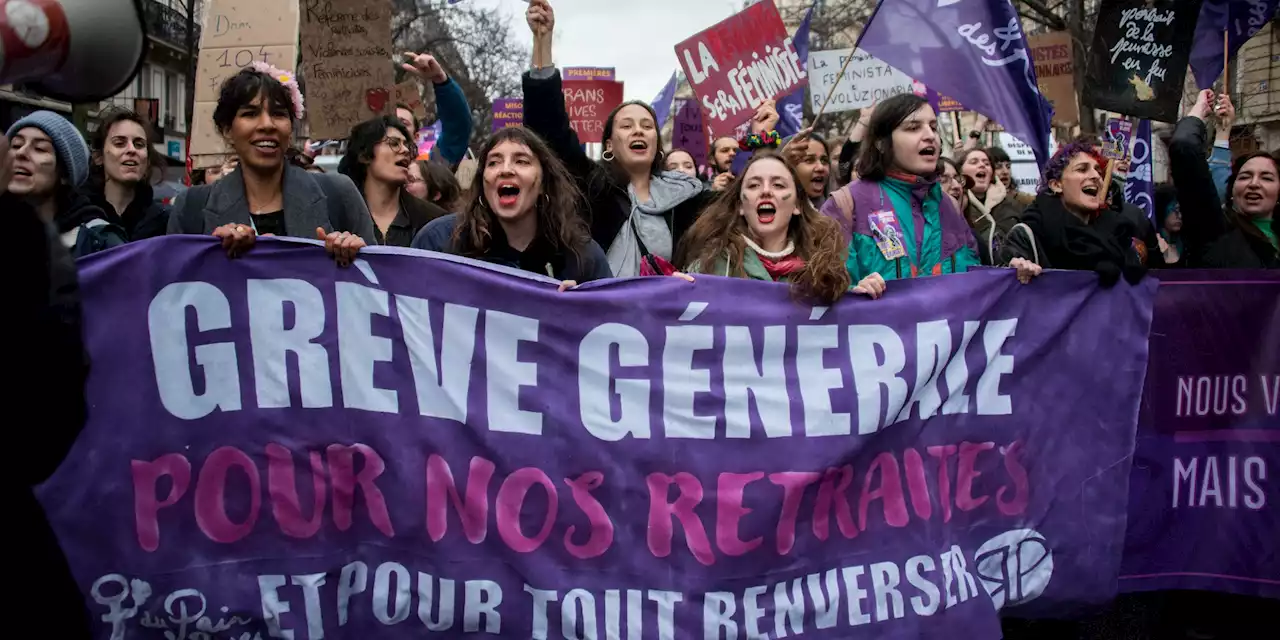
[288, 80]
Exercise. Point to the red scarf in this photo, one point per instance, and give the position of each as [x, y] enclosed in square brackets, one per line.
[783, 266]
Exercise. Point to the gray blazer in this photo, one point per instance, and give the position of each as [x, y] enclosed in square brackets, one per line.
[305, 206]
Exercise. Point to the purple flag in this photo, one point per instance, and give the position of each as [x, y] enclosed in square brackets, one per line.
[971, 50]
[689, 133]
[416, 444]
[1204, 509]
[1239, 20]
[662, 102]
[791, 107]
[1140, 188]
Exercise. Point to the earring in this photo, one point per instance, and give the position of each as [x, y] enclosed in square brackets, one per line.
[607, 156]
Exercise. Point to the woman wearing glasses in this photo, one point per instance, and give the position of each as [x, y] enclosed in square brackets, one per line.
[378, 159]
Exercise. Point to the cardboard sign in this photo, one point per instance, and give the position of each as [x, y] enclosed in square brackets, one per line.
[235, 34]
[409, 93]
[1139, 57]
[346, 62]
[508, 112]
[588, 73]
[688, 132]
[1018, 150]
[1055, 74]
[588, 103]
[866, 80]
[739, 63]
[1116, 139]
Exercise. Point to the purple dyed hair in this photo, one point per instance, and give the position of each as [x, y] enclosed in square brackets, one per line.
[1058, 163]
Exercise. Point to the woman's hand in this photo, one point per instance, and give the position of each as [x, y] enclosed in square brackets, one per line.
[796, 148]
[342, 245]
[872, 286]
[721, 181]
[1203, 105]
[424, 66]
[236, 238]
[565, 285]
[766, 117]
[1026, 269]
[682, 275]
[541, 18]
[1225, 111]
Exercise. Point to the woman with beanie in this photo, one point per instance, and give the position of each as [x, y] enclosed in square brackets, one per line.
[50, 163]
[1071, 225]
[896, 218]
[378, 161]
[119, 176]
[267, 194]
[637, 211]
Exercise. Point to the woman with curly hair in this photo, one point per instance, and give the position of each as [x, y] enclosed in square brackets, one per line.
[378, 162]
[765, 228]
[1071, 226]
[522, 214]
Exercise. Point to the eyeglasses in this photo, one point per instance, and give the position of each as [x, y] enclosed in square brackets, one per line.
[395, 144]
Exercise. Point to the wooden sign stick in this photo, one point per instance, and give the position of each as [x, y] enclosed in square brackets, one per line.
[835, 84]
[1226, 66]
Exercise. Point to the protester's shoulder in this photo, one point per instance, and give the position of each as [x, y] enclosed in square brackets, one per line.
[436, 234]
[597, 263]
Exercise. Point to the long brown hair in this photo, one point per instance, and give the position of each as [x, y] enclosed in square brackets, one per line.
[1242, 221]
[720, 228]
[557, 209]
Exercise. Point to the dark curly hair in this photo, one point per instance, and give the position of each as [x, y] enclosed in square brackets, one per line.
[109, 118]
[243, 89]
[360, 146]
[559, 220]
[1053, 170]
[818, 239]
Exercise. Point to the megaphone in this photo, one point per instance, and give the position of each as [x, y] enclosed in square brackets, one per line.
[72, 50]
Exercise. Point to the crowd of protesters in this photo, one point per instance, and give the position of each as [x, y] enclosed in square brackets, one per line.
[891, 206]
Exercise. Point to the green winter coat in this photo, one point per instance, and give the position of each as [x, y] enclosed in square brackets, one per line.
[865, 257]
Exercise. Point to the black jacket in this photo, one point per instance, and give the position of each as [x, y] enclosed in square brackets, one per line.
[541, 257]
[1211, 239]
[414, 214]
[143, 218]
[79, 210]
[1063, 241]
[608, 204]
[43, 308]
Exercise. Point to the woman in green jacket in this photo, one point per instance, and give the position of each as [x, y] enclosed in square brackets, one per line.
[762, 229]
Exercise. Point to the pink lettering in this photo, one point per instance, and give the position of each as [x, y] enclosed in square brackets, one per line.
[1018, 475]
[211, 495]
[917, 484]
[889, 492]
[793, 485]
[729, 512]
[966, 473]
[942, 453]
[661, 511]
[511, 497]
[281, 486]
[601, 536]
[341, 465]
[833, 497]
[474, 513]
[146, 505]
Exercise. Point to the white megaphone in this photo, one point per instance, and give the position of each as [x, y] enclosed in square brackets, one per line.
[71, 50]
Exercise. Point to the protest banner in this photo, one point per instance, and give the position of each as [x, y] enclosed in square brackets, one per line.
[588, 73]
[588, 103]
[1116, 138]
[1140, 188]
[739, 63]
[508, 112]
[943, 104]
[1139, 57]
[865, 82]
[417, 444]
[236, 33]
[409, 94]
[346, 62]
[1204, 505]
[427, 138]
[688, 132]
[1022, 162]
[1056, 74]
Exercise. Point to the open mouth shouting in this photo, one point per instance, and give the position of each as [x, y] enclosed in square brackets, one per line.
[1091, 189]
[266, 146]
[929, 153]
[508, 194]
[766, 211]
[1253, 198]
[638, 147]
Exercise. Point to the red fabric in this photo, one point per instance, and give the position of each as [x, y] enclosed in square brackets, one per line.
[783, 267]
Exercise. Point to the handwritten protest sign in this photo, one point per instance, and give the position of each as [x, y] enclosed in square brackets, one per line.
[588, 73]
[688, 132]
[865, 82]
[588, 103]
[508, 112]
[1055, 74]
[346, 62]
[1139, 57]
[236, 33]
[1204, 507]
[1116, 139]
[739, 63]
[426, 446]
[409, 94]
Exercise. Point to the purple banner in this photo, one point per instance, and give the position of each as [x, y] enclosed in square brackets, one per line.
[1140, 188]
[508, 112]
[688, 132]
[1205, 503]
[416, 445]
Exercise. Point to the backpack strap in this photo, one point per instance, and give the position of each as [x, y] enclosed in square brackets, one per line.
[844, 203]
[1035, 253]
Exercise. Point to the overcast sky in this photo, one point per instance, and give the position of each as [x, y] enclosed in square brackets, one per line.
[636, 37]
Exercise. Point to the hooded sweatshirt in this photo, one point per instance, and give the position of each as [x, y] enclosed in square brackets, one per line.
[648, 229]
[79, 215]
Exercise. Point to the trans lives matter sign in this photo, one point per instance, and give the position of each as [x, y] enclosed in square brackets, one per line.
[1139, 57]
[1204, 510]
[416, 444]
[588, 103]
[738, 64]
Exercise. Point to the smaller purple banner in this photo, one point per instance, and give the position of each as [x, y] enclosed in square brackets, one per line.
[508, 112]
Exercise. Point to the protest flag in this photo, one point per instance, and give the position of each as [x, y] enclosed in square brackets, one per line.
[1140, 188]
[791, 107]
[662, 103]
[971, 50]
[1235, 20]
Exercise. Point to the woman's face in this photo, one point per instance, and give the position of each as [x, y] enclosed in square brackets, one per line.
[978, 167]
[35, 164]
[260, 134]
[951, 182]
[915, 143]
[683, 162]
[768, 199]
[635, 138]
[512, 180]
[416, 186]
[124, 155]
[1256, 187]
[1173, 221]
[391, 161]
[1081, 184]
[814, 169]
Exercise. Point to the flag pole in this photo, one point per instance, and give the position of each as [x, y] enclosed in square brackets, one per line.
[1226, 65]
[835, 84]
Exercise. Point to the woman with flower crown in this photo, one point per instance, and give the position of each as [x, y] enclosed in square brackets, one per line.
[269, 195]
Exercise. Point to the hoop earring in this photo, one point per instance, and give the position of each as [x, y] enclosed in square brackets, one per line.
[607, 156]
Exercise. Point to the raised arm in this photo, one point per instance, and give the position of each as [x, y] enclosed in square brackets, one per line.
[544, 111]
[456, 123]
[1202, 216]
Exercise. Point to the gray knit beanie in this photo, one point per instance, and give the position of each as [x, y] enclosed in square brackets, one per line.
[68, 144]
